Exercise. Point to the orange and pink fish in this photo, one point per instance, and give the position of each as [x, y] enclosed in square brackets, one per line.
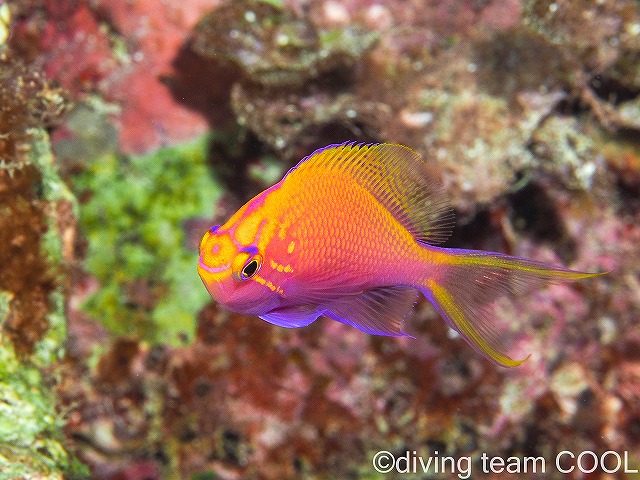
[349, 233]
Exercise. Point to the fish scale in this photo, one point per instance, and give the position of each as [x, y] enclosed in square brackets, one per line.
[339, 232]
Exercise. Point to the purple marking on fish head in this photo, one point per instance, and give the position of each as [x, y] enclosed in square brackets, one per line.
[250, 250]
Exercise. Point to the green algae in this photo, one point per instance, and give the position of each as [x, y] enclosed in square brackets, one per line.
[51, 347]
[32, 442]
[133, 225]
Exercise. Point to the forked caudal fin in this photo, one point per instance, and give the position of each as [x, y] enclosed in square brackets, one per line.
[468, 281]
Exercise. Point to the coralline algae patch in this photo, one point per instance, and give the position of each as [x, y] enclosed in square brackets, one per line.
[120, 50]
[132, 220]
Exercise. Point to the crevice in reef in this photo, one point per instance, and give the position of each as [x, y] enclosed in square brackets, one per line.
[479, 231]
[534, 215]
[612, 90]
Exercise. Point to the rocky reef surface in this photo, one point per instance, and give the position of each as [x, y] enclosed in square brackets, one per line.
[128, 127]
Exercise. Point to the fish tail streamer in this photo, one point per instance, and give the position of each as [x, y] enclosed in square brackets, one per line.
[463, 285]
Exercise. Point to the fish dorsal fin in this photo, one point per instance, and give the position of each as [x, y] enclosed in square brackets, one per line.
[379, 311]
[398, 178]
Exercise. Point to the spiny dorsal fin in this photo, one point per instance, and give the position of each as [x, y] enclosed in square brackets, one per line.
[398, 178]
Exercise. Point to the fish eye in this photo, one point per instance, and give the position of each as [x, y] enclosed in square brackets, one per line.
[251, 268]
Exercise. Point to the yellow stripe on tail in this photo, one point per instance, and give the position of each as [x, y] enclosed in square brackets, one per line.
[449, 307]
[466, 282]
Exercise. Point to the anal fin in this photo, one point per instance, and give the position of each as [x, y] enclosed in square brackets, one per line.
[292, 317]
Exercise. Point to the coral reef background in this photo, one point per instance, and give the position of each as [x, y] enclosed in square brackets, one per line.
[128, 127]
